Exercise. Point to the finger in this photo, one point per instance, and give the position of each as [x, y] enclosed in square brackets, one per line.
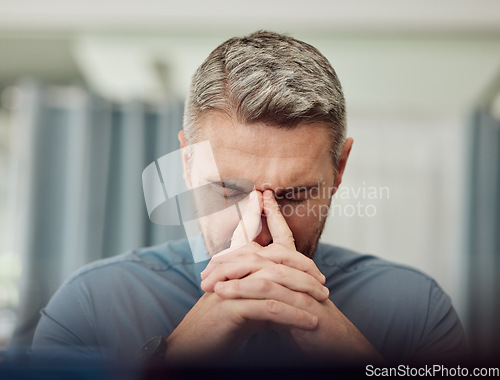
[250, 224]
[251, 288]
[271, 311]
[293, 279]
[276, 222]
[235, 257]
[252, 258]
[282, 255]
[236, 266]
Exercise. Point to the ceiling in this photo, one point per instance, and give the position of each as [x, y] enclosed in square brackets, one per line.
[391, 55]
[318, 16]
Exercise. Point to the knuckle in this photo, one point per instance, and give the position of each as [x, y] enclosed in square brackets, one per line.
[306, 266]
[280, 247]
[314, 287]
[220, 288]
[232, 286]
[254, 257]
[306, 301]
[309, 262]
[298, 314]
[205, 286]
[235, 311]
[264, 286]
[269, 252]
[286, 236]
[213, 259]
[273, 306]
[228, 288]
[254, 245]
[279, 270]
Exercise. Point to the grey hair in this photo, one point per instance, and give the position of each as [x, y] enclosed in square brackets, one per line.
[270, 78]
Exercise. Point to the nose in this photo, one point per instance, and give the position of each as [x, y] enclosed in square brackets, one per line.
[264, 238]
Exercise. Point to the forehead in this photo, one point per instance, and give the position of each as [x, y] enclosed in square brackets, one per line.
[266, 154]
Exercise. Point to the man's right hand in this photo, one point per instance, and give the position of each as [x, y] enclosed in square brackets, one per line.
[215, 327]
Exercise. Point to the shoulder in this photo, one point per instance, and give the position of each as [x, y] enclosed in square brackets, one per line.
[401, 310]
[347, 264]
[159, 258]
[365, 286]
[152, 287]
[149, 272]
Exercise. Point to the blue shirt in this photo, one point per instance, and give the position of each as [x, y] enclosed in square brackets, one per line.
[112, 307]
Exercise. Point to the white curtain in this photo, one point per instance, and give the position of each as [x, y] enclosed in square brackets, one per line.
[407, 173]
[79, 188]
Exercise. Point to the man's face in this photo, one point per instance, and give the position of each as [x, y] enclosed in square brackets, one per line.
[296, 164]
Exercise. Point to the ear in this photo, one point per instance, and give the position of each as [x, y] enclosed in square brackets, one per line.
[185, 158]
[344, 155]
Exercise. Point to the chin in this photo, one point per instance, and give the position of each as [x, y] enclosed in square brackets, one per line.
[307, 249]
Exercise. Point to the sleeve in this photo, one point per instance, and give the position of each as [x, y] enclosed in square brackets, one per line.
[443, 338]
[65, 332]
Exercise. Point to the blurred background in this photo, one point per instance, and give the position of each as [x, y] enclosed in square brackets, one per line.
[92, 92]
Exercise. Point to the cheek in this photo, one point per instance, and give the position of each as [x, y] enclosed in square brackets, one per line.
[304, 218]
[221, 225]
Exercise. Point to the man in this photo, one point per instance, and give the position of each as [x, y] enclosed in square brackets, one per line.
[272, 109]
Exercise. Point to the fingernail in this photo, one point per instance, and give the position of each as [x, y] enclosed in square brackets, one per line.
[253, 195]
[326, 291]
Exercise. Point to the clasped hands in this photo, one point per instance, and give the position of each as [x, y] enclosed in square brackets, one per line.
[249, 287]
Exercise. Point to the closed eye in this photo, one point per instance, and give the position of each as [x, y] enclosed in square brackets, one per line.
[229, 193]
